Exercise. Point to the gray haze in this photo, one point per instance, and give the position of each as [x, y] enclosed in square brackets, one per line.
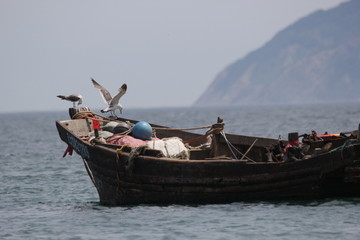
[314, 60]
[168, 52]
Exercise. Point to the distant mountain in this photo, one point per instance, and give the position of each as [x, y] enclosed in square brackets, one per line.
[316, 59]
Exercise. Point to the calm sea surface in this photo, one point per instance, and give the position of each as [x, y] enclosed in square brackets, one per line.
[45, 196]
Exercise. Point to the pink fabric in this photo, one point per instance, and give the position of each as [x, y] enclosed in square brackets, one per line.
[291, 144]
[127, 140]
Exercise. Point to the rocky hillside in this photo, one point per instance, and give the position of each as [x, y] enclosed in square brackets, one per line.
[316, 59]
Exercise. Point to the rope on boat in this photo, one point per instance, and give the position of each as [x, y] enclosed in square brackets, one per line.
[211, 131]
[90, 115]
[340, 147]
[129, 162]
[182, 129]
[118, 155]
[349, 151]
[249, 149]
[346, 149]
[232, 147]
[89, 171]
[127, 132]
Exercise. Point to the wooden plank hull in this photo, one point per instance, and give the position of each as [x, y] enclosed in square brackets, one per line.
[122, 178]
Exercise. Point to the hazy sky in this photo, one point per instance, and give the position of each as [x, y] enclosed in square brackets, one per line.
[167, 51]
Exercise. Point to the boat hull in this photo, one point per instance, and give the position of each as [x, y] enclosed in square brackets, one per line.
[157, 183]
[124, 178]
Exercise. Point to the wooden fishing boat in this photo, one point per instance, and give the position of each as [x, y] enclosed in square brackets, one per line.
[217, 167]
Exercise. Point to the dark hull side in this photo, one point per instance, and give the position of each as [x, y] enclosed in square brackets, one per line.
[122, 179]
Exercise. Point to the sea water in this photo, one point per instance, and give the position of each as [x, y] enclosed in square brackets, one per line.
[46, 196]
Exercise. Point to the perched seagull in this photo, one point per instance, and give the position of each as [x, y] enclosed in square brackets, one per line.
[112, 102]
[74, 98]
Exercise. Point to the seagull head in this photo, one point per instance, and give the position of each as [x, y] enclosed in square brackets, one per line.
[80, 100]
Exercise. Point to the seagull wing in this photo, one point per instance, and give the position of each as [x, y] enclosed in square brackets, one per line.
[104, 93]
[71, 98]
[121, 92]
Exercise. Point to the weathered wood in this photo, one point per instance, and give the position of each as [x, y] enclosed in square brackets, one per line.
[121, 178]
[78, 127]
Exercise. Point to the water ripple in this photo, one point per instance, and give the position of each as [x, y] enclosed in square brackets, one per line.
[45, 196]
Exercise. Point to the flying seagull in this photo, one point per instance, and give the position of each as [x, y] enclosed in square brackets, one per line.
[74, 98]
[113, 102]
